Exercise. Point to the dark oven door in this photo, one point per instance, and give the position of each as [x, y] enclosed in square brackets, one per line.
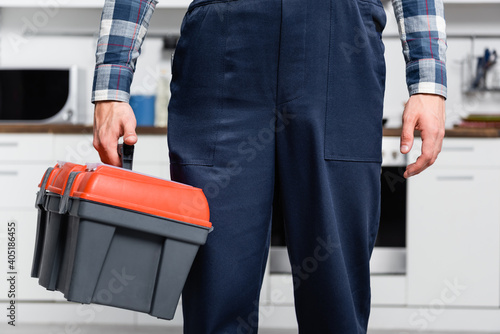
[389, 254]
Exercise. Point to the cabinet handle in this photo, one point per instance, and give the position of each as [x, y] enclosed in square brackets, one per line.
[8, 173]
[455, 178]
[459, 149]
[9, 144]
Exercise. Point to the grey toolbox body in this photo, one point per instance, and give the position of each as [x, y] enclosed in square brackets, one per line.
[114, 237]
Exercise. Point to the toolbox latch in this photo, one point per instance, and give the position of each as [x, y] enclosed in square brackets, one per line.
[40, 196]
[64, 204]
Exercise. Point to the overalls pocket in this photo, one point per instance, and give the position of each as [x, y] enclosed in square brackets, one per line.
[198, 83]
[356, 81]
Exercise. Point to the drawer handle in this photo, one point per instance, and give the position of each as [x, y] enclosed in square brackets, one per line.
[459, 149]
[456, 178]
[9, 144]
[8, 173]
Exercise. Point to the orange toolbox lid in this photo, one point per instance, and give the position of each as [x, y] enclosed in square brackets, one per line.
[48, 176]
[55, 179]
[143, 193]
[58, 178]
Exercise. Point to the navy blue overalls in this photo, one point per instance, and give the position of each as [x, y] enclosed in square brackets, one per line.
[281, 98]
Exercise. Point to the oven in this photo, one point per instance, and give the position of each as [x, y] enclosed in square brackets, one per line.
[389, 254]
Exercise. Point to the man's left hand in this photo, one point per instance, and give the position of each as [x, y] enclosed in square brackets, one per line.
[424, 112]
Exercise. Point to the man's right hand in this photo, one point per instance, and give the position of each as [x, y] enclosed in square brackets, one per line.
[113, 120]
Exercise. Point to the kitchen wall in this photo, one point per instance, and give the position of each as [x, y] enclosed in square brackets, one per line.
[62, 37]
[464, 21]
[68, 37]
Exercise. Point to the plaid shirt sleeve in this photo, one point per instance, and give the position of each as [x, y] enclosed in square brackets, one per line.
[422, 30]
[124, 24]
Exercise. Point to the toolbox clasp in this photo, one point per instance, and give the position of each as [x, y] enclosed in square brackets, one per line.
[64, 205]
[40, 196]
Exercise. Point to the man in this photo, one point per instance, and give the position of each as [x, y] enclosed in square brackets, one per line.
[279, 101]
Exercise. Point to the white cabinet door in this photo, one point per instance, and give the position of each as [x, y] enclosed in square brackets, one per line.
[78, 148]
[19, 184]
[27, 288]
[151, 148]
[464, 152]
[75, 148]
[454, 237]
[25, 147]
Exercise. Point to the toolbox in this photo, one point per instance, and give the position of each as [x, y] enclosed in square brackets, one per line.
[50, 236]
[111, 236]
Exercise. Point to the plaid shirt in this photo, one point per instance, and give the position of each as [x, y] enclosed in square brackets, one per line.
[124, 24]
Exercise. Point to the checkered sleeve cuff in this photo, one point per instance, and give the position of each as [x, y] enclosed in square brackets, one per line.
[426, 76]
[112, 82]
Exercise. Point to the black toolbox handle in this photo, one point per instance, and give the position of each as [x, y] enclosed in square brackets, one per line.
[126, 153]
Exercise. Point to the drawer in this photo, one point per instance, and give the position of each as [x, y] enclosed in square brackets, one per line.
[26, 147]
[27, 287]
[80, 149]
[391, 154]
[151, 148]
[464, 152]
[388, 289]
[453, 233]
[281, 289]
[160, 170]
[19, 184]
[75, 148]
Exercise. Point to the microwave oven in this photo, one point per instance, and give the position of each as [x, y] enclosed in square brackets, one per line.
[42, 95]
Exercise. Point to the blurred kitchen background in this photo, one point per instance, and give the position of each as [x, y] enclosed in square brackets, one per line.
[436, 266]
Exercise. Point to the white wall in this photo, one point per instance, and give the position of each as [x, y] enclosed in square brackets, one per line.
[63, 37]
[463, 22]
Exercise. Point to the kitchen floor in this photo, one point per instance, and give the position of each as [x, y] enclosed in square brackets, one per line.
[105, 329]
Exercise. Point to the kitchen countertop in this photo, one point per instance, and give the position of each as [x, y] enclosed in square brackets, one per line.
[87, 129]
[455, 132]
[69, 129]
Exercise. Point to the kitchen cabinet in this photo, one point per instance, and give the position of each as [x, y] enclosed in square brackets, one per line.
[23, 148]
[150, 154]
[453, 241]
[77, 148]
[27, 288]
[454, 227]
[23, 160]
[19, 184]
